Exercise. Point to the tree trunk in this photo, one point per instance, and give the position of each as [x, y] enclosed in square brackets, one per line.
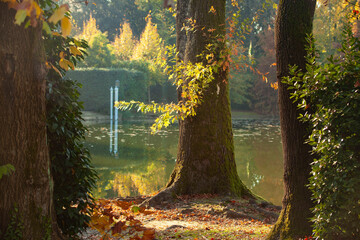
[294, 21]
[205, 160]
[23, 130]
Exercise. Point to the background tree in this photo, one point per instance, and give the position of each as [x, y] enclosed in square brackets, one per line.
[27, 193]
[150, 49]
[124, 43]
[293, 23]
[99, 53]
[265, 94]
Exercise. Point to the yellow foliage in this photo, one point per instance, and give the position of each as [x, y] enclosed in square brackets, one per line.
[89, 29]
[124, 43]
[150, 46]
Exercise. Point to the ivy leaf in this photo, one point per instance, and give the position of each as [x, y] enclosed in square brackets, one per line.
[46, 27]
[65, 26]
[20, 16]
[6, 170]
[135, 209]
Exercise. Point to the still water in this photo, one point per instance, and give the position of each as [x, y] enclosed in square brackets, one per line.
[143, 162]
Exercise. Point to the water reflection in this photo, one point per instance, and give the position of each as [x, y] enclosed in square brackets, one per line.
[144, 162]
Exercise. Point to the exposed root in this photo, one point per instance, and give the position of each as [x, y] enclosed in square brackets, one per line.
[166, 195]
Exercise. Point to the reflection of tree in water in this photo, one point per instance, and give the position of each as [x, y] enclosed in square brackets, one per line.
[246, 168]
[142, 183]
[140, 180]
[146, 161]
[103, 186]
[259, 158]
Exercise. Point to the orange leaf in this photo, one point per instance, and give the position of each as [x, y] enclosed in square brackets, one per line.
[148, 234]
[118, 227]
[357, 84]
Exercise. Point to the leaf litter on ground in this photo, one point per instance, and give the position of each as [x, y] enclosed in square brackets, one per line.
[187, 217]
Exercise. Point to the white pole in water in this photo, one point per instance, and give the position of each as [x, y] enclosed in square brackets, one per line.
[117, 83]
[111, 118]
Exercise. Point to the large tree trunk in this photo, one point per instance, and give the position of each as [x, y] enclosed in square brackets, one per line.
[205, 161]
[23, 130]
[294, 21]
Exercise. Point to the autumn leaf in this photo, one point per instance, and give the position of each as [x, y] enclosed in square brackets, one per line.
[148, 234]
[59, 13]
[212, 10]
[56, 70]
[64, 64]
[65, 26]
[74, 51]
[118, 227]
[357, 84]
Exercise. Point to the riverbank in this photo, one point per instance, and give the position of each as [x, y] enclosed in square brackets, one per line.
[194, 217]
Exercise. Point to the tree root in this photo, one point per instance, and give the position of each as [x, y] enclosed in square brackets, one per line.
[166, 195]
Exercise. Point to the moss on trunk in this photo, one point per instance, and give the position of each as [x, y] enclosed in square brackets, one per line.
[205, 160]
[293, 23]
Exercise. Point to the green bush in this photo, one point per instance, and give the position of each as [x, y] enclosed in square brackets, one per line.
[73, 175]
[329, 94]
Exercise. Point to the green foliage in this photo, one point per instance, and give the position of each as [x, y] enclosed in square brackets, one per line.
[14, 231]
[6, 169]
[99, 53]
[95, 92]
[329, 95]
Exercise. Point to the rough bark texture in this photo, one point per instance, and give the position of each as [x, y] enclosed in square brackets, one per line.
[294, 21]
[205, 161]
[23, 129]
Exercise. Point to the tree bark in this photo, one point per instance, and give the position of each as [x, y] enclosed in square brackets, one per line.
[294, 21]
[205, 160]
[23, 130]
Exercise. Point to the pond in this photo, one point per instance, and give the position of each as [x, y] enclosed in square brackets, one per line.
[142, 163]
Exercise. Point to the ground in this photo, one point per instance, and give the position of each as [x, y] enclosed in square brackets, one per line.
[190, 217]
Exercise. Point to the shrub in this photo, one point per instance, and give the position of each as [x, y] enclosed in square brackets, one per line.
[73, 175]
[96, 83]
[329, 94]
